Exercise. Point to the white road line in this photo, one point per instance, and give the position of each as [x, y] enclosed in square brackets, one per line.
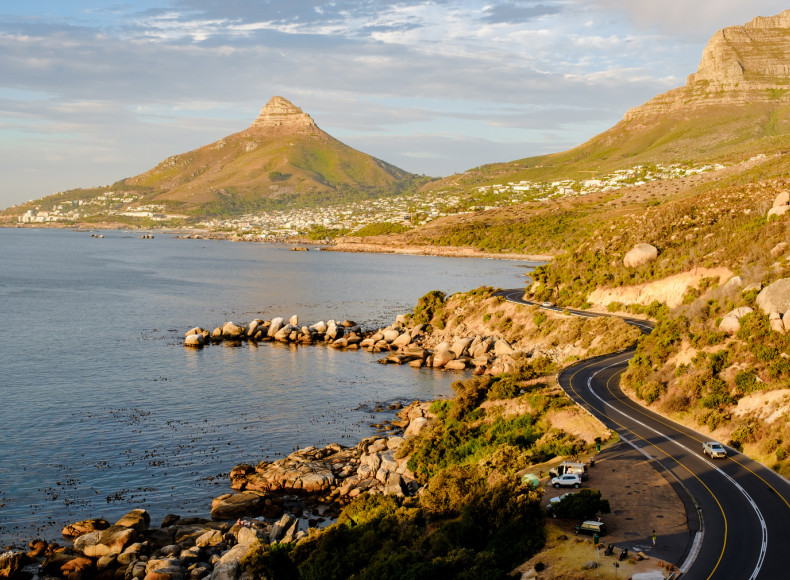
[692, 555]
[695, 547]
[764, 528]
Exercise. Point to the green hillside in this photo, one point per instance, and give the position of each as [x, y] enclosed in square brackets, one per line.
[282, 160]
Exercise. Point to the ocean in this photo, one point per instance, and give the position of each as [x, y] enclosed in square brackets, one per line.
[103, 409]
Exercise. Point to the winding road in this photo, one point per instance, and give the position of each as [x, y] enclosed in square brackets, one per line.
[738, 510]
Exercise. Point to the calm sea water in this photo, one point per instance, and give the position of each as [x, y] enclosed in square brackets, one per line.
[103, 409]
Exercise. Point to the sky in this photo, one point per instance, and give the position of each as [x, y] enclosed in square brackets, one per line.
[93, 91]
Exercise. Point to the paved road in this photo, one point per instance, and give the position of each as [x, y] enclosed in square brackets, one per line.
[743, 507]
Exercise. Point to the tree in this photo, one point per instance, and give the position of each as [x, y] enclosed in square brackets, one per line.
[582, 505]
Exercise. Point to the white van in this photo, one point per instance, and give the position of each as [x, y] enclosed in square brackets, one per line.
[579, 469]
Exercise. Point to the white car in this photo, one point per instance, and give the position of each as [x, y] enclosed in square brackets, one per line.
[547, 305]
[567, 480]
[554, 501]
[714, 449]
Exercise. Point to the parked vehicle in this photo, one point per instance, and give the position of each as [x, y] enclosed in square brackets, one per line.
[567, 480]
[579, 469]
[590, 527]
[554, 501]
[714, 449]
[547, 304]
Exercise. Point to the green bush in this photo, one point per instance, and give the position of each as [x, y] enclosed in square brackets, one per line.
[479, 529]
[584, 504]
[503, 387]
[380, 229]
[650, 391]
[427, 306]
[747, 382]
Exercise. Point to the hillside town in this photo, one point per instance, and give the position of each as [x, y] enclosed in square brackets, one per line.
[408, 210]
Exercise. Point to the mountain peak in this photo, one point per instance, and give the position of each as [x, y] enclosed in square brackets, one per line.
[280, 113]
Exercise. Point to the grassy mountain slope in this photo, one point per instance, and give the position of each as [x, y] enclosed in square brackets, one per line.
[282, 159]
[256, 165]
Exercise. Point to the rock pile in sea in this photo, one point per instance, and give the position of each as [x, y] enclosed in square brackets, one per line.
[403, 344]
[346, 334]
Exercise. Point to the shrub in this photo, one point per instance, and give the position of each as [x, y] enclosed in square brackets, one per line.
[469, 393]
[582, 505]
[747, 382]
[427, 306]
[650, 391]
[503, 387]
[450, 490]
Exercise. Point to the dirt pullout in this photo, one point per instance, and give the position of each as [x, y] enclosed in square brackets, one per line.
[642, 500]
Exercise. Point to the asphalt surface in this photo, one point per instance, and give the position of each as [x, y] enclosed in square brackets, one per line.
[740, 507]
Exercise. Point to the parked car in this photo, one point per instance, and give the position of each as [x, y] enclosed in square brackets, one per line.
[547, 304]
[579, 469]
[590, 527]
[714, 449]
[554, 501]
[567, 480]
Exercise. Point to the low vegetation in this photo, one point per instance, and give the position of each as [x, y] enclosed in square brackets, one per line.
[526, 327]
[475, 517]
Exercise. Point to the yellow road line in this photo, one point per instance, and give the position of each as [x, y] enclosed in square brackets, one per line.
[635, 406]
[713, 495]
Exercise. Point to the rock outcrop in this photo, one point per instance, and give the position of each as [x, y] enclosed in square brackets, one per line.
[731, 322]
[781, 205]
[741, 65]
[775, 297]
[640, 254]
[279, 113]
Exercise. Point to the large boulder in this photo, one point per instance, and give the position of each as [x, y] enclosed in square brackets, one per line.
[403, 340]
[11, 564]
[280, 527]
[460, 347]
[234, 505]
[503, 347]
[113, 540]
[394, 484]
[84, 527]
[390, 335]
[780, 206]
[640, 254]
[276, 325]
[442, 354]
[731, 322]
[775, 297]
[138, 519]
[233, 330]
[415, 427]
[229, 565]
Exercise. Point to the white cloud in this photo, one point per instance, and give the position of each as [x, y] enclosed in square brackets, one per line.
[698, 19]
[435, 86]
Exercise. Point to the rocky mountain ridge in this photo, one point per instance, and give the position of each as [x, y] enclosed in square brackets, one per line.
[740, 65]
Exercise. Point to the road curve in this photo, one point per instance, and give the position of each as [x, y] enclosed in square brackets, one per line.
[743, 507]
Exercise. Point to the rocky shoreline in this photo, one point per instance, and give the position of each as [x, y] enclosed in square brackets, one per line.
[271, 502]
[274, 502]
[402, 344]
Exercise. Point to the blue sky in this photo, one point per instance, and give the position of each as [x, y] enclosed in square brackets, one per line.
[94, 91]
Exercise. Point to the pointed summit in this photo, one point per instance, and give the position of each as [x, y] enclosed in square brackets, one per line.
[280, 113]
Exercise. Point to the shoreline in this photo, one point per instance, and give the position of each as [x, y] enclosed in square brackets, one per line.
[323, 246]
